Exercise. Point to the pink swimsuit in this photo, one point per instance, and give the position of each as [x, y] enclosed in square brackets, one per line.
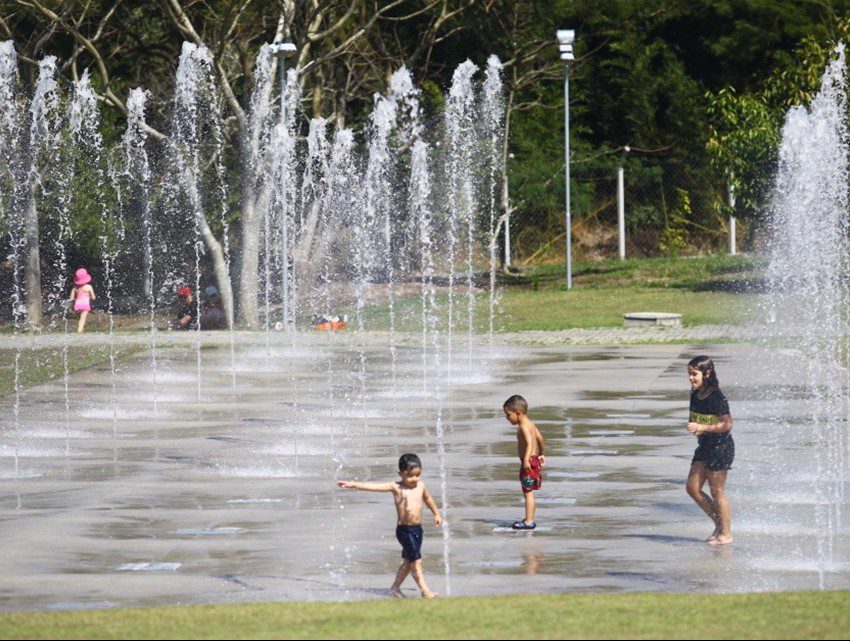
[82, 301]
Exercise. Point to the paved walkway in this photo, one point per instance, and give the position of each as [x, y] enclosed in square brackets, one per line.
[634, 335]
[575, 336]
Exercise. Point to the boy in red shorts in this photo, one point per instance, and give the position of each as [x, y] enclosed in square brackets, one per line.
[530, 447]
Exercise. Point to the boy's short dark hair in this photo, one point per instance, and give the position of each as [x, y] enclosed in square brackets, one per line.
[516, 403]
[409, 462]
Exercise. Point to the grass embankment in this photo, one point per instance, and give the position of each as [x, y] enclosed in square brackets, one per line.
[706, 290]
[716, 289]
[41, 364]
[790, 615]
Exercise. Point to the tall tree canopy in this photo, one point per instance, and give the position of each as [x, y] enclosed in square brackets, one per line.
[695, 88]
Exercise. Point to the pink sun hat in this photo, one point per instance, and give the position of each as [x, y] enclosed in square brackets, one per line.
[81, 277]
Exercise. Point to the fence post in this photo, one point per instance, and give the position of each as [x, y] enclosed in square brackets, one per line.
[733, 249]
[621, 213]
[507, 239]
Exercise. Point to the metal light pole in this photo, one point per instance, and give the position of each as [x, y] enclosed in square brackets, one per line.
[282, 50]
[566, 37]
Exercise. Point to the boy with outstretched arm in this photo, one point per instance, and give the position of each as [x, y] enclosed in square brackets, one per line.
[410, 494]
[531, 448]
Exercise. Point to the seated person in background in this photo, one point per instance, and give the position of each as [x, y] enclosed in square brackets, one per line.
[212, 310]
[187, 312]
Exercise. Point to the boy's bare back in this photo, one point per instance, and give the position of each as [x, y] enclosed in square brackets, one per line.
[526, 433]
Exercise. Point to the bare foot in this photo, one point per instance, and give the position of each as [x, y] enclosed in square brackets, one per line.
[429, 595]
[721, 540]
[713, 536]
[396, 593]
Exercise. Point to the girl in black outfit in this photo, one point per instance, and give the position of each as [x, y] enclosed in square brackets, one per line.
[711, 422]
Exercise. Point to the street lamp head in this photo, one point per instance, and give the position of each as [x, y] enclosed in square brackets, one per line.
[285, 48]
[566, 37]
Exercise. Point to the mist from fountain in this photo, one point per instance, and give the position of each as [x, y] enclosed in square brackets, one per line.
[809, 281]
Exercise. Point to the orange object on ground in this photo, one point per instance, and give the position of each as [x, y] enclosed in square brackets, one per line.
[330, 326]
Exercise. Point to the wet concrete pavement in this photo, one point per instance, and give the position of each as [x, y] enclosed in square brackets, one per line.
[147, 493]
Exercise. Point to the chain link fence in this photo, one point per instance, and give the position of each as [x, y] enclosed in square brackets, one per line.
[667, 209]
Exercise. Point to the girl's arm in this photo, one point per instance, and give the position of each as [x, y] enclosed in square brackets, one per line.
[91, 292]
[73, 293]
[368, 487]
[723, 425]
[432, 505]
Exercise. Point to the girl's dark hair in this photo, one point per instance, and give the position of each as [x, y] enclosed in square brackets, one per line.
[409, 462]
[705, 365]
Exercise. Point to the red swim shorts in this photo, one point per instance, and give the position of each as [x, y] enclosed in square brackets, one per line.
[531, 479]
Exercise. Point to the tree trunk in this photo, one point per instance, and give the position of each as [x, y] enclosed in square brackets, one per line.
[249, 258]
[307, 253]
[222, 275]
[35, 317]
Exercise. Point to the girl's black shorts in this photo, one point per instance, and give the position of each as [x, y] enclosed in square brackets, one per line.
[717, 453]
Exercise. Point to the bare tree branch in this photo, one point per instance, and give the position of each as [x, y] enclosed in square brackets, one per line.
[364, 29]
[184, 24]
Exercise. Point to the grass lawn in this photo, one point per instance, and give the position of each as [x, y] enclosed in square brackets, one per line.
[714, 289]
[717, 289]
[790, 615]
[38, 365]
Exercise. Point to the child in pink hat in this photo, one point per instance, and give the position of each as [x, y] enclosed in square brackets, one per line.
[82, 295]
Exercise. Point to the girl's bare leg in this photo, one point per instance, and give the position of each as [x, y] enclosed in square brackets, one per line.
[81, 325]
[419, 577]
[717, 485]
[696, 480]
[400, 576]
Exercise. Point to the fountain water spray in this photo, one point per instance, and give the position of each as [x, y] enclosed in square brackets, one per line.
[809, 281]
[86, 137]
[131, 176]
[12, 199]
[283, 205]
[197, 111]
[493, 112]
[459, 128]
[420, 208]
[379, 173]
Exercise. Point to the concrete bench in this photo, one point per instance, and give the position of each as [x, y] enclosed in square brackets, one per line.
[644, 319]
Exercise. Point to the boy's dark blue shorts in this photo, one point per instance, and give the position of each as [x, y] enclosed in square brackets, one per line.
[410, 537]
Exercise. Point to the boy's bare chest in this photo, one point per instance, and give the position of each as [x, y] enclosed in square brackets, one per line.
[410, 497]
